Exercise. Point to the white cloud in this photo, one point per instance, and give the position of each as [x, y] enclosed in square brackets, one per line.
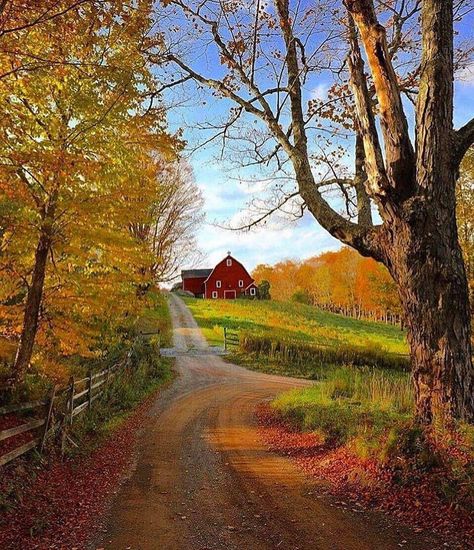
[226, 201]
[320, 91]
[269, 244]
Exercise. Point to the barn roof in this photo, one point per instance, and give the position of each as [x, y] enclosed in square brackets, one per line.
[195, 273]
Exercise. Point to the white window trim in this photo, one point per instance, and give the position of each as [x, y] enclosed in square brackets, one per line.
[218, 284]
[228, 262]
[253, 291]
[241, 283]
[214, 294]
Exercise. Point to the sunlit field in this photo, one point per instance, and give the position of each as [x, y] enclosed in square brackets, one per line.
[298, 337]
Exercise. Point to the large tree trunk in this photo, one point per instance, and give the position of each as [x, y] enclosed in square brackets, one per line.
[32, 307]
[413, 187]
[425, 260]
[416, 198]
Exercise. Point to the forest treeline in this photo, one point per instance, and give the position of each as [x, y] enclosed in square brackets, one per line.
[345, 282]
[342, 282]
[96, 206]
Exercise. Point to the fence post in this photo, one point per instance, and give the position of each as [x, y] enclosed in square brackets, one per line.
[71, 401]
[67, 419]
[225, 339]
[48, 418]
[89, 386]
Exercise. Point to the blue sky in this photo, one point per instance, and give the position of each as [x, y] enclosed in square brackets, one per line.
[227, 192]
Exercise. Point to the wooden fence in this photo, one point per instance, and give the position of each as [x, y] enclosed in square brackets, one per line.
[58, 411]
[230, 339]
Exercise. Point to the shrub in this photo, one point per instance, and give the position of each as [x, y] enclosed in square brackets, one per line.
[301, 297]
[145, 371]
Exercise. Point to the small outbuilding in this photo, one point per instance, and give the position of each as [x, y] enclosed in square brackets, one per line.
[228, 280]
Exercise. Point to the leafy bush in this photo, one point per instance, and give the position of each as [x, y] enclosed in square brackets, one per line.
[146, 370]
[301, 297]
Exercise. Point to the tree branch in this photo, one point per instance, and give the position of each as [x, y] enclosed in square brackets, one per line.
[399, 153]
[269, 212]
[355, 235]
[246, 104]
[378, 185]
[464, 138]
[43, 17]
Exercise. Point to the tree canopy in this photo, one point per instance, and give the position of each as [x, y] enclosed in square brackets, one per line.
[84, 160]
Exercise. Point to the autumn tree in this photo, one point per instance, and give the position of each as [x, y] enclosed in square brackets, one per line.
[267, 54]
[175, 214]
[465, 214]
[74, 142]
[338, 281]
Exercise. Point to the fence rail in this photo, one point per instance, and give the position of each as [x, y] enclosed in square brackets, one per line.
[230, 338]
[80, 395]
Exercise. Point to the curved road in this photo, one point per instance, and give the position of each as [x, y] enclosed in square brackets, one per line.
[204, 480]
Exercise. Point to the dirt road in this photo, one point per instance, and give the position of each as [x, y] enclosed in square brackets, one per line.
[204, 480]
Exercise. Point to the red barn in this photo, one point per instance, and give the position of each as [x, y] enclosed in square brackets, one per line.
[228, 280]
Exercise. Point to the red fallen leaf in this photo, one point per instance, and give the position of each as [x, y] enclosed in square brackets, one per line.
[418, 504]
[67, 500]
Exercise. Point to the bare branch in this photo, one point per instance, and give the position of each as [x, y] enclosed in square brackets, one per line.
[245, 104]
[267, 214]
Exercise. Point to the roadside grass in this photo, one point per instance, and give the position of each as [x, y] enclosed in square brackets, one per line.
[146, 373]
[370, 412]
[355, 405]
[154, 321]
[155, 318]
[297, 339]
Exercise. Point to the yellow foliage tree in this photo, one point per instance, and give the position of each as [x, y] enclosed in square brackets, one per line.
[77, 170]
[342, 282]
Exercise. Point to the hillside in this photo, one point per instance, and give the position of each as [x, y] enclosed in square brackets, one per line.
[297, 330]
[292, 321]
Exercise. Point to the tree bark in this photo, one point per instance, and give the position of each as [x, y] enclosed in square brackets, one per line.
[33, 305]
[419, 234]
[364, 207]
[425, 260]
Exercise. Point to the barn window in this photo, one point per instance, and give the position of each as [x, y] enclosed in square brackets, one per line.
[241, 283]
[252, 291]
[214, 294]
[229, 262]
[218, 284]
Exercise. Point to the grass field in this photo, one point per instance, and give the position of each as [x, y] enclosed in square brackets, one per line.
[292, 321]
[297, 339]
[362, 400]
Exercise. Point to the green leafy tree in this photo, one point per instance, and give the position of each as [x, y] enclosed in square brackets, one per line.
[264, 290]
